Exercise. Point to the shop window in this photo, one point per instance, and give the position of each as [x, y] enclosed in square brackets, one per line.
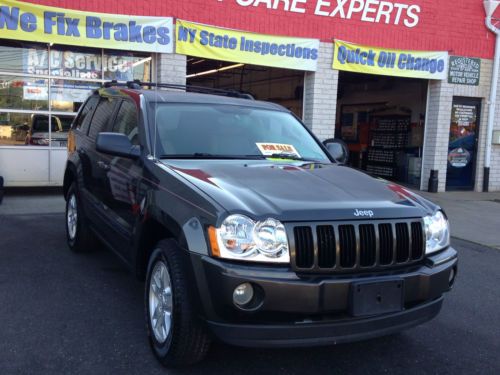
[39, 133]
[20, 129]
[126, 122]
[101, 117]
[23, 93]
[42, 88]
[14, 128]
[76, 63]
[24, 58]
[68, 96]
[127, 67]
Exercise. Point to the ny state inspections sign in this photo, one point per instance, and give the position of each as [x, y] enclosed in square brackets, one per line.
[217, 43]
[390, 62]
[31, 22]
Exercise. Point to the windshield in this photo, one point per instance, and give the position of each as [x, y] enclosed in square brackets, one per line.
[202, 130]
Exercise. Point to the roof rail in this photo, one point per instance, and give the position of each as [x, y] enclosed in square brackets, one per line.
[138, 85]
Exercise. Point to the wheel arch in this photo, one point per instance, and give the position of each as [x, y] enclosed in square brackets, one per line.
[152, 230]
[70, 176]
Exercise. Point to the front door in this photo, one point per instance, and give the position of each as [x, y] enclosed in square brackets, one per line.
[464, 131]
[123, 177]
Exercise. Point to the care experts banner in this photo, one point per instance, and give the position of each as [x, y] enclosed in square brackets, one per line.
[244, 47]
[390, 62]
[31, 22]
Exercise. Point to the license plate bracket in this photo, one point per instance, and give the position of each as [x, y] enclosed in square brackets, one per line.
[376, 297]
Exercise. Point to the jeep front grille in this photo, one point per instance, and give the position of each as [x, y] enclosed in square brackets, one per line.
[356, 245]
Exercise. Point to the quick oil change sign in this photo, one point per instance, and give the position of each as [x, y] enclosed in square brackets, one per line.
[25, 21]
[390, 62]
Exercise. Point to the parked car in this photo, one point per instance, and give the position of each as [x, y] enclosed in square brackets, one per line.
[38, 133]
[244, 227]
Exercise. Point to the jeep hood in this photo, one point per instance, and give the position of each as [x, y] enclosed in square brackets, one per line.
[298, 191]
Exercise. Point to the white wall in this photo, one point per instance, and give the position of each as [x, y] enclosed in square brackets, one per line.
[29, 166]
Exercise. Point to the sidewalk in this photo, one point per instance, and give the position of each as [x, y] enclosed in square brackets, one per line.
[473, 216]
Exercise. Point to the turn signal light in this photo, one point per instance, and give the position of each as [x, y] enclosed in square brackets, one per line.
[212, 236]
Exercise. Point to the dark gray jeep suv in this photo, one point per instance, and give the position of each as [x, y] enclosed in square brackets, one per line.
[246, 228]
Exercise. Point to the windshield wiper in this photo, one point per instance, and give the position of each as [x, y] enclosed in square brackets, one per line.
[208, 156]
[283, 155]
[204, 155]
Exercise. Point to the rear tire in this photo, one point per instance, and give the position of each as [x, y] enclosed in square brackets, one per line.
[177, 337]
[79, 236]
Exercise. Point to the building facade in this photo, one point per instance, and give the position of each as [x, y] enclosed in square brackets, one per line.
[403, 83]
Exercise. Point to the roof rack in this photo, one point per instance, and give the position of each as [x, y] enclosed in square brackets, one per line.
[138, 85]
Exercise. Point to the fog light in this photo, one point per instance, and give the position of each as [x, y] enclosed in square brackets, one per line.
[243, 294]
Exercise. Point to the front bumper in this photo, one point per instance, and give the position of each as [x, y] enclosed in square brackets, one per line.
[312, 309]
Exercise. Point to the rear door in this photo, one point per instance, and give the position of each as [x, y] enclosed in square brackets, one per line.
[82, 143]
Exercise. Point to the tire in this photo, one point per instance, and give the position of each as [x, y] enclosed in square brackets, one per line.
[184, 341]
[80, 237]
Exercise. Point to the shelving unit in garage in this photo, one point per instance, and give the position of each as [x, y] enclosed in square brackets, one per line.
[388, 141]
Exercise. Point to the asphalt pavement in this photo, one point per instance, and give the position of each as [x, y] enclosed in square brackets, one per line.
[66, 313]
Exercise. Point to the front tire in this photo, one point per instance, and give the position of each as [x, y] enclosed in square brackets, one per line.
[79, 236]
[176, 335]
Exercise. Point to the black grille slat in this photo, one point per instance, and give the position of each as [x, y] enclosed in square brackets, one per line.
[304, 247]
[417, 241]
[367, 242]
[347, 241]
[357, 245]
[402, 243]
[326, 246]
[386, 243]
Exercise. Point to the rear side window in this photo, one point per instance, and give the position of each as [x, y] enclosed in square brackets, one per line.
[126, 122]
[83, 119]
[102, 115]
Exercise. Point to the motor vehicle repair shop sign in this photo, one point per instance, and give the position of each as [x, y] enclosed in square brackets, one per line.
[217, 43]
[31, 22]
[390, 62]
[464, 71]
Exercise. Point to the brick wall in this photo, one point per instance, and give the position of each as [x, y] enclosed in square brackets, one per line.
[170, 68]
[320, 93]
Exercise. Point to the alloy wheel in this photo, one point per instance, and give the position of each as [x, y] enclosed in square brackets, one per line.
[160, 302]
[72, 217]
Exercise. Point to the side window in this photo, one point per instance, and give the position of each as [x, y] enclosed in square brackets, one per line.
[101, 117]
[126, 122]
[83, 119]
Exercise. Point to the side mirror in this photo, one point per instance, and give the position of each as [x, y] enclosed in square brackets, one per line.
[338, 150]
[117, 144]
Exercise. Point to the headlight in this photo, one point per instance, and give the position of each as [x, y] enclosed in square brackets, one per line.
[437, 232]
[239, 237]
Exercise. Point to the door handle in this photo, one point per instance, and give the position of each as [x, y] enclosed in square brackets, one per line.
[103, 165]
